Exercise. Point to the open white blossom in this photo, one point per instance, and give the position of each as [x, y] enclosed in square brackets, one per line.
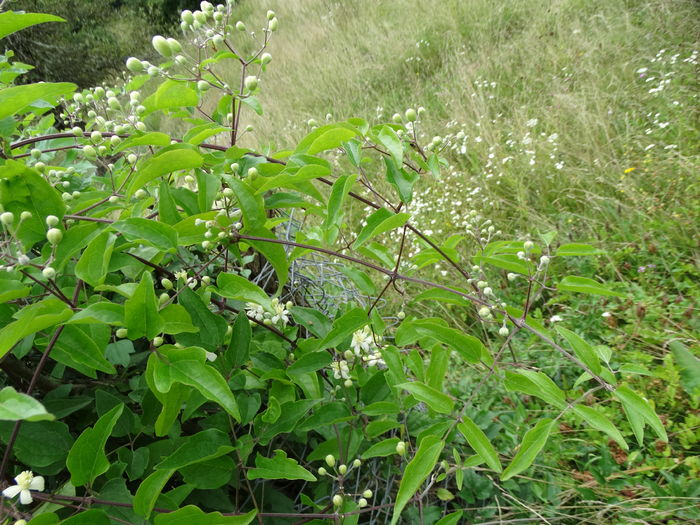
[255, 311]
[279, 312]
[362, 341]
[340, 369]
[26, 481]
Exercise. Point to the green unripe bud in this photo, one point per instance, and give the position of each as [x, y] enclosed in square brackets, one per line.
[141, 194]
[36, 153]
[78, 97]
[343, 469]
[330, 460]
[401, 448]
[175, 46]
[40, 166]
[54, 236]
[51, 221]
[187, 17]
[266, 58]
[160, 44]
[100, 91]
[166, 283]
[362, 502]
[157, 341]
[25, 216]
[199, 17]
[337, 500]
[113, 103]
[252, 172]
[134, 65]
[114, 140]
[141, 126]
[401, 315]
[397, 118]
[203, 85]
[544, 260]
[163, 298]
[251, 82]
[240, 26]
[121, 333]
[485, 311]
[89, 152]
[322, 471]
[180, 59]
[528, 245]
[7, 218]
[367, 494]
[114, 199]
[503, 331]
[77, 131]
[411, 115]
[153, 71]
[131, 158]
[95, 137]
[273, 24]
[228, 193]
[48, 272]
[270, 14]
[218, 40]
[235, 166]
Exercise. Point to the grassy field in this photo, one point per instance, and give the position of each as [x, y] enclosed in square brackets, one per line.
[574, 116]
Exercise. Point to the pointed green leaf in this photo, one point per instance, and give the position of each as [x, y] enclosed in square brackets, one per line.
[234, 286]
[93, 264]
[532, 443]
[279, 467]
[416, 472]
[148, 231]
[480, 443]
[141, 311]
[438, 401]
[379, 222]
[11, 22]
[572, 283]
[582, 349]
[600, 422]
[577, 250]
[149, 490]
[192, 515]
[14, 99]
[536, 384]
[86, 459]
[171, 94]
[15, 406]
[634, 403]
[169, 161]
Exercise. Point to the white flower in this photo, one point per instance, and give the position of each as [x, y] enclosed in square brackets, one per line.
[555, 319]
[362, 341]
[532, 123]
[255, 311]
[279, 312]
[26, 481]
[340, 369]
[606, 314]
[211, 356]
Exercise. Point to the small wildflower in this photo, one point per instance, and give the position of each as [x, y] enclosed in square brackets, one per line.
[26, 481]
[555, 319]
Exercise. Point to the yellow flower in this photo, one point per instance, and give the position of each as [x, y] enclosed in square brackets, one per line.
[628, 170]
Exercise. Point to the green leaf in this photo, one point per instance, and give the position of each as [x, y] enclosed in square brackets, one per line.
[76, 347]
[310, 363]
[199, 134]
[167, 208]
[532, 443]
[102, 312]
[279, 467]
[689, 366]
[192, 515]
[11, 22]
[148, 231]
[234, 286]
[416, 472]
[171, 94]
[13, 290]
[343, 327]
[168, 161]
[291, 179]
[600, 422]
[141, 311]
[149, 490]
[571, 283]
[274, 253]
[153, 138]
[634, 403]
[212, 327]
[402, 180]
[39, 316]
[334, 213]
[360, 279]
[14, 99]
[15, 406]
[208, 444]
[467, 346]
[582, 349]
[390, 140]
[536, 384]
[188, 366]
[23, 189]
[239, 347]
[382, 449]
[506, 261]
[88, 517]
[480, 443]
[326, 137]
[379, 222]
[252, 206]
[451, 519]
[86, 459]
[94, 262]
[441, 403]
[577, 250]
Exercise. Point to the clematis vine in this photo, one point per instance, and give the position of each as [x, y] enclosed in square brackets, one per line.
[26, 481]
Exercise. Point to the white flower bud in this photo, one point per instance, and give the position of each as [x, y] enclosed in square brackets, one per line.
[251, 82]
[7, 218]
[134, 65]
[203, 85]
[503, 331]
[337, 500]
[528, 245]
[140, 194]
[157, 341]
[343, 469]
[356, 463]
[367, 494]
[175, 46]
[160, 44]
[51, 221]
[485, 311]
[270, 14]
[330, 460]
[362, 502]
[240, 26]
[401, 448]
[187, 17]
[121, 333]
[54, 236]
[266, 58]
[322, 471]
[274, 24]
[25, 216]
[411, 115]
[252, 172]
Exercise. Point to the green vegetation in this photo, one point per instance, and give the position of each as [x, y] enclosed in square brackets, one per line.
[423, 263]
